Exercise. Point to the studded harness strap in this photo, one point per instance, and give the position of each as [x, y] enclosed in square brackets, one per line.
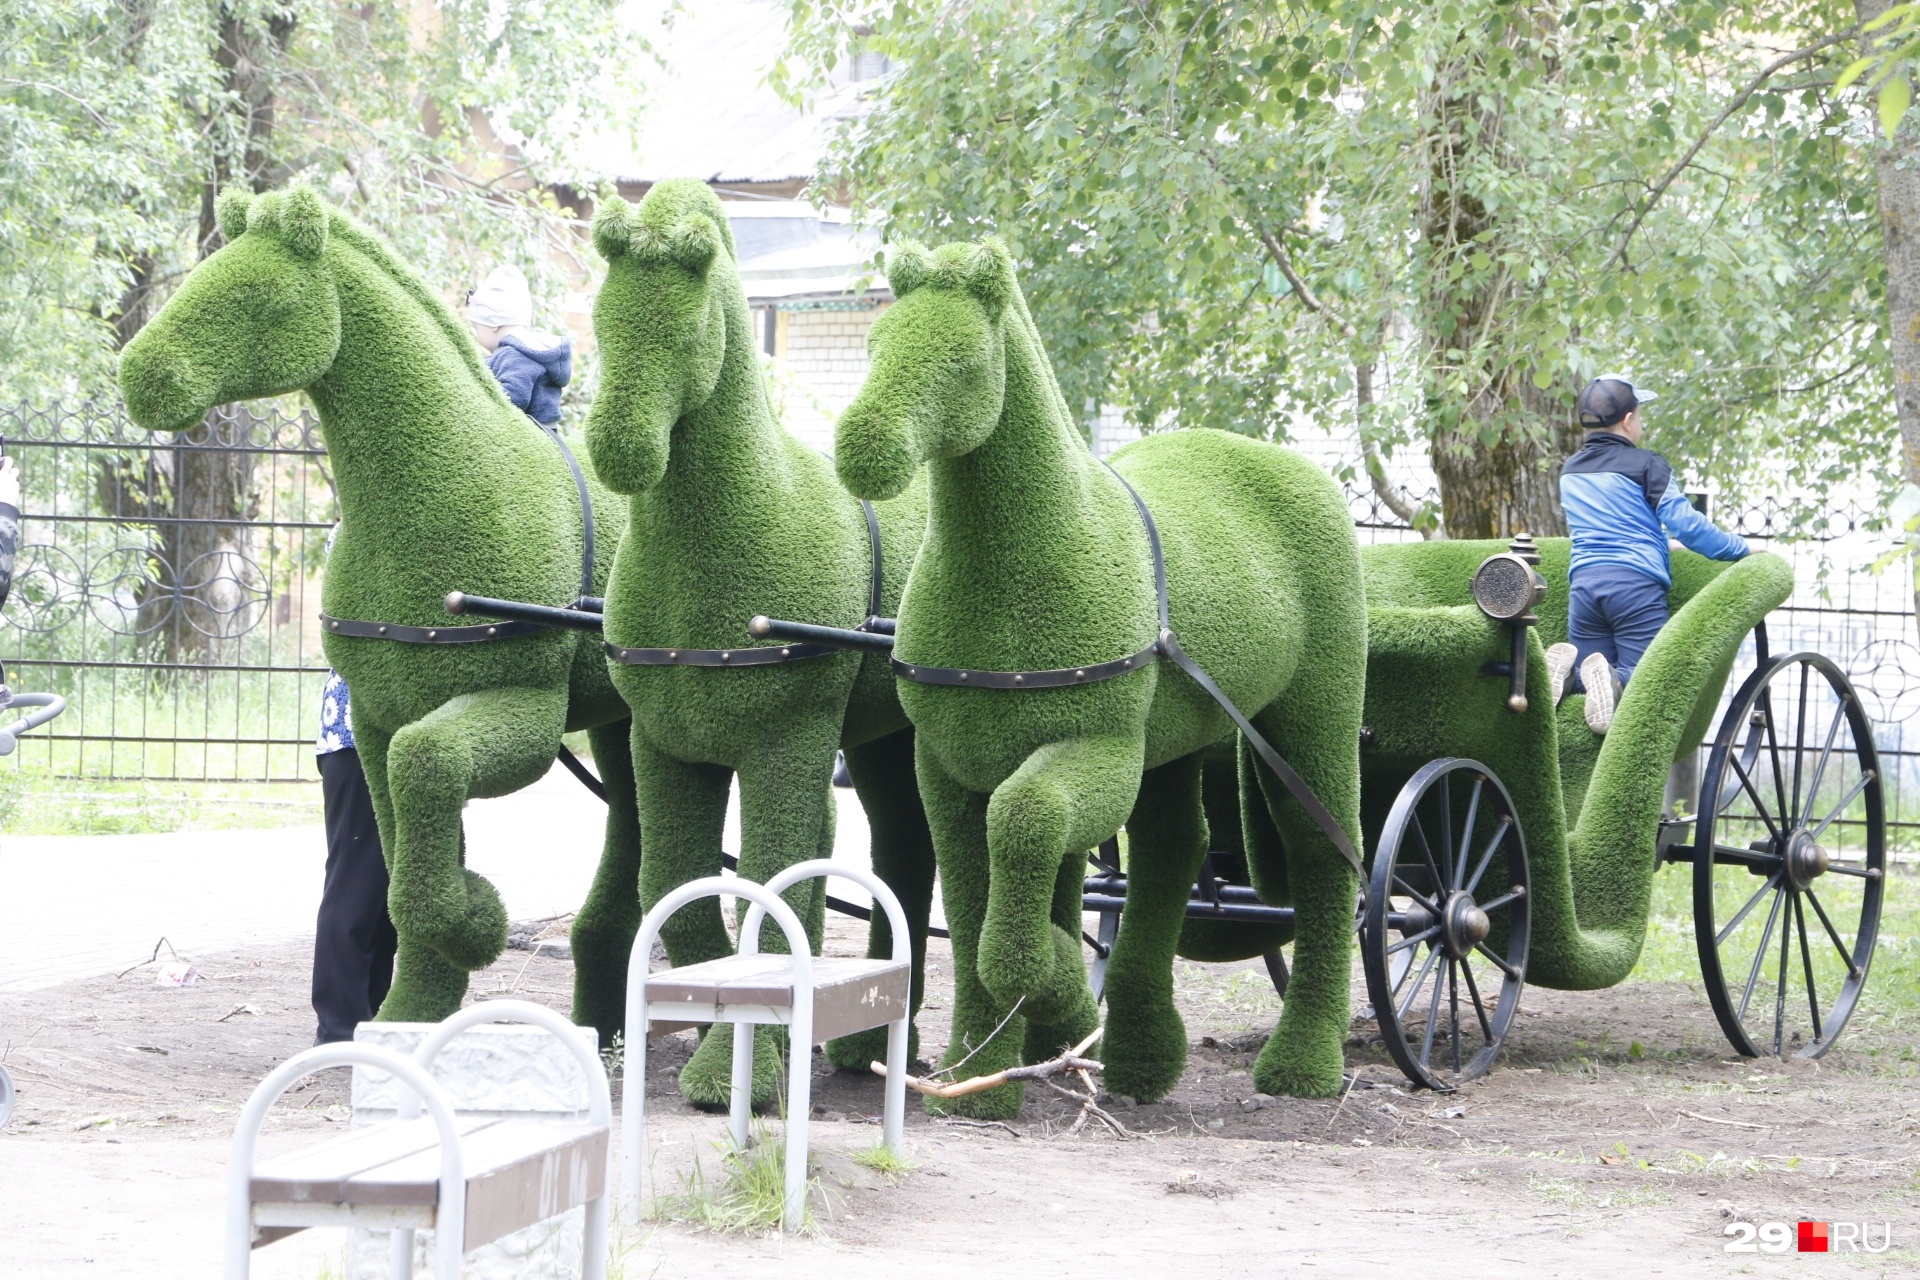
[486, 630]
[1165, 645]
[764, 655]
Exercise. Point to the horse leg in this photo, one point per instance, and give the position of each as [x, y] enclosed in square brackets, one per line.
[479, 744]
[425, 987]
[1068, 1021]
[1304, 1055]
[603, 932]
[786, 816]
[987, 1032]
[1066, 797]
[1145, 1044]
[902, 857]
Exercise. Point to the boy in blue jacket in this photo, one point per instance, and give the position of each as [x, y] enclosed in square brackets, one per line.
[531, 366]
[1622, 503]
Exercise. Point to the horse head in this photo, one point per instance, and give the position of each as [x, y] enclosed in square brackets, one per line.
[259, 318]
[937, 383]
[661, 321]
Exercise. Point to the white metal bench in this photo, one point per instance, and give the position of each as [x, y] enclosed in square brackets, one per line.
[468, 1179]
[816, 998]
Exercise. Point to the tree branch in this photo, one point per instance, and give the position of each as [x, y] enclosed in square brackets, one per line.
[1307, 296]
[1619, 254]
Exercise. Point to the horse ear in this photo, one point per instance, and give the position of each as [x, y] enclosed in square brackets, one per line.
[908, 265]
[988, 275]
[613, 227]
[693, 244]
[303, 222]
[230, 210]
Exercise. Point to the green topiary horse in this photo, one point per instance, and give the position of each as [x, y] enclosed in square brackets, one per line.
[442, 484]
[732, 516]
[1036, 558]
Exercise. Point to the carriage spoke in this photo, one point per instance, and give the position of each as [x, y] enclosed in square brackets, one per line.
[1453, 997]
[1414, 941]
[1848, 869]
[1466, 830]
[1820, 765]
[1513, 895]
[1433, 1023]
[1413, 893]
[1505, 968]
[1758, 803]
[1473, 993]
[1846, 957]
[1800, 746]
[1446, 829]
[1773, 882]
[1760, 955]
[1853, 793]
[1773, 757]
[1414, 991]
[1499, 834]
[1806, 964]
[1780, 988]
[1433, 868]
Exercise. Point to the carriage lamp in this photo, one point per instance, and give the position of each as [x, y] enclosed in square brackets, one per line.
[1507, 586]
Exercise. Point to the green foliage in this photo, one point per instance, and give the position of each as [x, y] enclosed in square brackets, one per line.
[749, 1195]
[427, 455]
[1223, 211]
[1264, 586]
[882, 1159]
[119, 121]
[733, 516]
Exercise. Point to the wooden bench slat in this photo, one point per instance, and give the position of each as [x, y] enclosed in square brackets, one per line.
[320, 1174]
[849, 994]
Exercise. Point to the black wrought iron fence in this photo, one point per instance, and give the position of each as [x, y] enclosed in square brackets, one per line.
[167, 586]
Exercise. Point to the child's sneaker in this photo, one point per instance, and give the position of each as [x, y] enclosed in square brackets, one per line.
[1560, 659]
[1603, 691]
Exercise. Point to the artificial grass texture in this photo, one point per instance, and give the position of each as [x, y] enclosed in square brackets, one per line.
[442, 485]
[733, 516]
[1589, 807]
[1036, 558]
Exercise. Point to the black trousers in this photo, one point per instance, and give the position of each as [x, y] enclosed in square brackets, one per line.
[353, 941]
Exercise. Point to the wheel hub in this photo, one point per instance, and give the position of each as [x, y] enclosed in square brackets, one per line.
[1806, 860]
[1466, 924]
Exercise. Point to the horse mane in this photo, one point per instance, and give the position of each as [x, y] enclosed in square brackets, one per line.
[382, 255]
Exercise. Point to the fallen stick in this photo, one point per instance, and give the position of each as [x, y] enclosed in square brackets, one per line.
[1738, 1124]
[1068, 1061]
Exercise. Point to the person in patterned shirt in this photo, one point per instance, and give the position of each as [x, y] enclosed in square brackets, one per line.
[353, 940]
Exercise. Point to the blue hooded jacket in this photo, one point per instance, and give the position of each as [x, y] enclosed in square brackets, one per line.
[1622, 501]
[532, 375]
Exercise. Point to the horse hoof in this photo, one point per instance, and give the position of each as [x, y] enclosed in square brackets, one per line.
[707, 1079]
[465, 922]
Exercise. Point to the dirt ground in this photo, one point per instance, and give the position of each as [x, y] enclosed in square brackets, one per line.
[1618, 1131]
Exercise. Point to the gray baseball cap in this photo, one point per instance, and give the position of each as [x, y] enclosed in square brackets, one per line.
[1609, 398]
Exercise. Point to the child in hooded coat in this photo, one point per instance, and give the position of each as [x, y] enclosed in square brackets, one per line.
[532, 367]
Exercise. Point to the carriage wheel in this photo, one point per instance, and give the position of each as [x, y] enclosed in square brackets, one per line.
[1444, 937]
[1789, 859]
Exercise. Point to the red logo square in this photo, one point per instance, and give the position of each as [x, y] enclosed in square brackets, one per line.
[1813, 1237]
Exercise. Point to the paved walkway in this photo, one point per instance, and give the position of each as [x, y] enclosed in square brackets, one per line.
[76, 906]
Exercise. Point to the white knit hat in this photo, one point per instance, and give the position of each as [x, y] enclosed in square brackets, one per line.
[502, 299]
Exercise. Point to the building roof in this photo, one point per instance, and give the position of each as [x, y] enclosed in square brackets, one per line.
[791, 252]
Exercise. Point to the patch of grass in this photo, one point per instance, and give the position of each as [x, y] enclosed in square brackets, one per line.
[1586, 1195]
[1243, 996]
[748, 1194]
[882, 1160]
[34, 804]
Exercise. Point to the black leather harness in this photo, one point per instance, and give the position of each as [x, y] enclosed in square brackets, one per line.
[486, 630]
[1164, 646]
[762, 655]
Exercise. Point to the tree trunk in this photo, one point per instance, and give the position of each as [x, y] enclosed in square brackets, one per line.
[1497, 455]
[1897, 167]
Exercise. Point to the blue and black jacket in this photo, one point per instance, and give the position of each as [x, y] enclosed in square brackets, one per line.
[1622, 502]
[532, 370]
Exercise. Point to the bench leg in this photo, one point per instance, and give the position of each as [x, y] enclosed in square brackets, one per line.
[633, 1126]
[894, 1104]
[593, 1240]
[799, 1111]
[400, 1250]
[740, 1090]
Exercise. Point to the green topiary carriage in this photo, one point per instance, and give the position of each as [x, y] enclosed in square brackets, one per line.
[1510, 845]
